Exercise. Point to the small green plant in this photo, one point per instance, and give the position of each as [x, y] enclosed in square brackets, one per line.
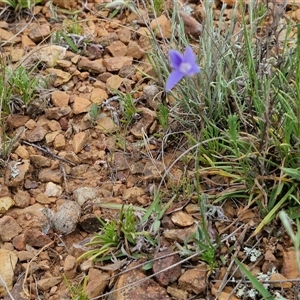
[113, 235]
[94, 113]
[77, 292]
[163, 116]
[129, 111]
[21, 4]
[119, 5]
[72, 26]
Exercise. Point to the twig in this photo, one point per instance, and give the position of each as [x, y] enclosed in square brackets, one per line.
[47, 151]
[27, 269]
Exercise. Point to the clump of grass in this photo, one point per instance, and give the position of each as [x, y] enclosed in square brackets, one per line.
[18, 5]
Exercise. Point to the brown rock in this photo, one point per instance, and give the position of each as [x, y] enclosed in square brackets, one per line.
[191, 26]
[135, 51]
[61, 77]
[182, 219]
[40, 161]
[65, 3]
[142, 126]
[194, 280]
[162, 26]
[153, 170]
[180, 235]
[46, 175]
[54, 125]
[80, 139]
[106, 125]
[15, 173]
[124, 35]
[283, 284]
[19, 242]
[50, 137]
[145, 290]
[27, 42]
[25, 255]
[289, 267]
[57, 112]
[90, 223]
[22, 199]
[53, 190]
[36, 135]
[133, 193]
[116, 63]
[172, 273]
[98, 95]
[8, 36]
[39, 33]
[60, 99]
[43, 199]
[9, 228]
[97, 283]
[114, 82]
[22, 152]
[8, 261]
[117, 48]
[16, 121]
[81, 105]
[70, 267]
[59, 142]
[177, 293]
[47, 283]
[93, 66]
[106, 40]
[36, 238]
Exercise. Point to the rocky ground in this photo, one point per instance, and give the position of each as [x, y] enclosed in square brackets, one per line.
[66, 163]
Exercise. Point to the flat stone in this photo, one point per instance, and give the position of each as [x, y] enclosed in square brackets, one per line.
[114, 82]
[40, 161]
[132, 193]
[36, 238]
[162, 26]
[47, 174]
[22, 152]
[22, 199]
[106, 125]
[84, 194]
[194, 280]
[8, 36]
[135, 51]
[153, 171]
[97, 283]
[172, 273]
[8, 261]
[283, 281]
[47, 283]
[16, 121]
[9, 228]
[106, 40]
[15, 173]
[80, 139]
[117, 48]
[27, 42]
[36, 135]
[180, 235]
[25, 255]
[124, 35]
[43, 199]
[59, 142]
[6, 203]
[81, 105]
[49, 54]
[57, 112]
[54, 125]
[39, 33]
[61, 76]
[98, 95]
[92, 66]
[289, 267]
[70, 266]
[60, 99]
[50, 137]
[116, 63]
[182, 219]
[66, 218]
[53, 190]
[143, 125]
[177, 293]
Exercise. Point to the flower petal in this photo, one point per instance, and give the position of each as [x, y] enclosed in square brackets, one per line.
[175, 58]
[189, 56]
[173, 79]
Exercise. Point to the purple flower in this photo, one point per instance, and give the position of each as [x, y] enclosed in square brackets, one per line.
[183, 65]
